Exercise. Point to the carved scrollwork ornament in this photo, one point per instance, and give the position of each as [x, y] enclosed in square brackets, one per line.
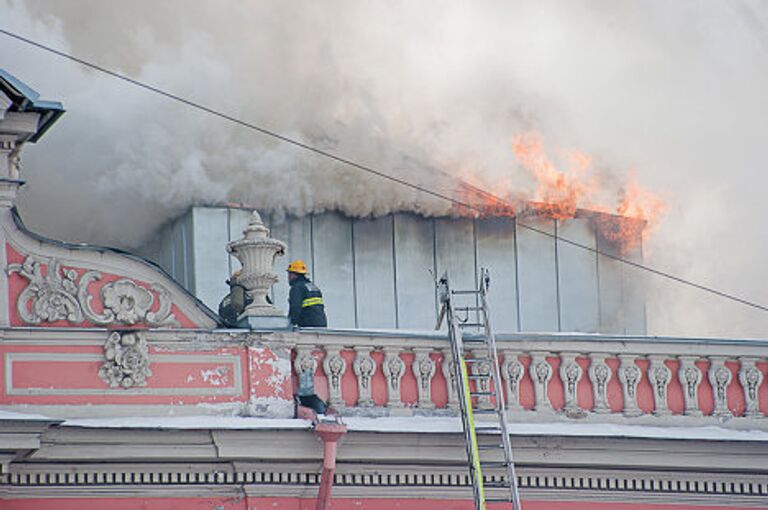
[750, 377]
[482, 368]
[61, 294]
[425, 369]
[335, 365]
[335, 368]
[692, 379]
[449, 373]
[512, 372]
[632, 377]
[305, 362]
[660, 376]
[48, 297]
[600, 374]
[364, 367]
[629, 376]
[570, 373]
[394, 369]
[127, 360]
[690, 376]
[541, 372]
[720, 377]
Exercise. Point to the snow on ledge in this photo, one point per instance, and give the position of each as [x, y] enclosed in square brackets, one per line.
[450, 425]
[190, 422]
[13, 416]
[418, 425]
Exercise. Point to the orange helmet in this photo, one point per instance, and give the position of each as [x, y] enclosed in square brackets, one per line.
[298, 266]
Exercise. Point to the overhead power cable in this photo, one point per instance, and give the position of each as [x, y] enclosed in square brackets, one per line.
[379, 173]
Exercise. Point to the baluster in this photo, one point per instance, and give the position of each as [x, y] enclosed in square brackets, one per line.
[335, 366]
[305, 366]
[659, 374]
[364, 367]
[541, 373]
[750, 377]
[394, 369]
[690, 377]
[600, 374]
[570, 374]
[511, 374]
[629, 375]
[484, 384]
[424, 369]
[450, 379]
[720, 377]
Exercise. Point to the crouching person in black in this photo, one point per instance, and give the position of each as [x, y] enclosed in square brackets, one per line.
[306, 310]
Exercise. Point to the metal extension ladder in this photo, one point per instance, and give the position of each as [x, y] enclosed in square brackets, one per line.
[479, 391]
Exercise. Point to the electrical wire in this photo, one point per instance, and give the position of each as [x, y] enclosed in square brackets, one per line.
[373, 171]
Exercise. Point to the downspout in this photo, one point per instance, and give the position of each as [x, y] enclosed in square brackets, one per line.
[330, 433]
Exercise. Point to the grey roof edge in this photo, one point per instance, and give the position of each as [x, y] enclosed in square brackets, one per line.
[103, 249]
[49, 111]
[524, 212]
[541, 336]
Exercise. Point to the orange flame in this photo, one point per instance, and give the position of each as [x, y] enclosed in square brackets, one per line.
[558, 193]
[635, 203]
[564, 194]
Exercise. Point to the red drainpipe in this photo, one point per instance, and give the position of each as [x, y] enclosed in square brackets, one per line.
[330, 433]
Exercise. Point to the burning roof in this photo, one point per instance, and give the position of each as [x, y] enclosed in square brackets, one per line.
[566, 189]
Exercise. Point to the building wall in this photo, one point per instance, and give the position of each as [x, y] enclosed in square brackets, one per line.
[284, 503]
[379, 273]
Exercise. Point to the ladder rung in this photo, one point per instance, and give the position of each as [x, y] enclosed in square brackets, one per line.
[481, 393]
[463, 292]
[488, 425]
[494, 464]
[484, 411]
[490, 446]
[496, 483]
[476, 360]
[498, 500]
[474, 340]
[479, 376]
[471, 325]
[469, 308]
[485, 430]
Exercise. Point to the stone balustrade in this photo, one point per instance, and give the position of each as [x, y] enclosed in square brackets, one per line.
[592, 377]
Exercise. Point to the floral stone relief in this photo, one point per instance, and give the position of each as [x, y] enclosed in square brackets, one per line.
[60, 294]
[127, 360]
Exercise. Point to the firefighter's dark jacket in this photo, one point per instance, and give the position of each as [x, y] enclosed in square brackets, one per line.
[306, 304]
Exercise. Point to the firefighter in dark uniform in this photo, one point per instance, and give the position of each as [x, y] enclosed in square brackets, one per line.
[306, 300]
[306, 310]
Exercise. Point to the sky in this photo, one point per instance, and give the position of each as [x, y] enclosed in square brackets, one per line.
[674, 93]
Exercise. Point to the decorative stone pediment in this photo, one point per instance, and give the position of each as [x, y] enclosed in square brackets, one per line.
[59, 285]
[56, 293]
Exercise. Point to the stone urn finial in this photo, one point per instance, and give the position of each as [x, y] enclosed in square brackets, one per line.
[256, 252]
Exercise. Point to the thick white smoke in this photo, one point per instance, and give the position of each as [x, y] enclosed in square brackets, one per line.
[673, 90]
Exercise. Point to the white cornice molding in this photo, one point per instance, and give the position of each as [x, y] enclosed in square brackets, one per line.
[384, 482]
